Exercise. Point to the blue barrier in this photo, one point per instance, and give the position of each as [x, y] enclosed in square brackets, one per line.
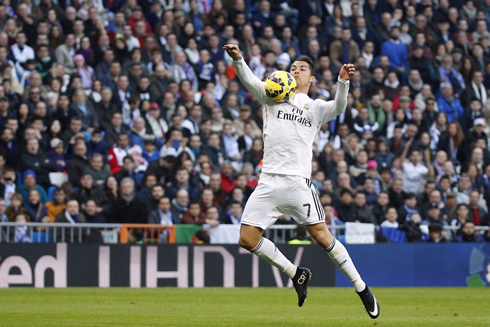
[419, 265]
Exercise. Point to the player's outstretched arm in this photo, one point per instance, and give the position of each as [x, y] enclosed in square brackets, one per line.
[337, 106]
[253, 84]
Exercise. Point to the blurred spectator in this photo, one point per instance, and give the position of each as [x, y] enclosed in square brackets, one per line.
[194, 215]
[468, 234]
[22, 231]
[395, 50]
[97, 170]
[77, 164]
[163, 215]
[16, 206]
[435, 234]
[35, 209]
[129, 169]
[53, 208]
[92, 215]
[87, 191]
[128, 209]
[413, 171]
[391, 218]
[450, 76]
[380, 208]
[56, 154]
[234, 214]
[71, 214]
[30, 183]
[344, 50]
[8, 187]
[180, 204]
[35, 161]
[182, 182]
[118, 152]
[362, 213]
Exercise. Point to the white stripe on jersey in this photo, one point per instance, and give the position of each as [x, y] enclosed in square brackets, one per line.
[290, 127]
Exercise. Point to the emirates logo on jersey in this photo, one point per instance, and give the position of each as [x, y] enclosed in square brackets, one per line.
[294, 116]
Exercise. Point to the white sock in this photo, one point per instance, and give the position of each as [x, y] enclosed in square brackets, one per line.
[268, 251]
[340, 257]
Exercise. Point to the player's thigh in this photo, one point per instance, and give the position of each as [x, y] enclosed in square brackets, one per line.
[301, 202]
[261, 206]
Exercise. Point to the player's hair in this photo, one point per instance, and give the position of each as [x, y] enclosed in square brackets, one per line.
[310, 63]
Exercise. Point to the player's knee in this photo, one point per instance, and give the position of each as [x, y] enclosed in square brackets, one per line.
[321, 240]
[246, 243]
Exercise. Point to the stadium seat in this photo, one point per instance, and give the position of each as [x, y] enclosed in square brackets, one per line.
[40, 237]
[88, 135]
[51, 193]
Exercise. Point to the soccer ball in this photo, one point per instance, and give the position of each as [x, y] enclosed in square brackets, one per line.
[280, 86]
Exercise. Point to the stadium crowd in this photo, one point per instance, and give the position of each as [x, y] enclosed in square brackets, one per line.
[137, 103]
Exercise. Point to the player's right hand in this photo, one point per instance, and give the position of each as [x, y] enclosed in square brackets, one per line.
[233, 51]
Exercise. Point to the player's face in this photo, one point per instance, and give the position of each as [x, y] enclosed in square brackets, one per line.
[301, 73]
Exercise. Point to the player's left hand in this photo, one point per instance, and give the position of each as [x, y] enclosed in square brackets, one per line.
[347, 71]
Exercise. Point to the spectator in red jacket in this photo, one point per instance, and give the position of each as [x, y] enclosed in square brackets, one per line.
[117, 152]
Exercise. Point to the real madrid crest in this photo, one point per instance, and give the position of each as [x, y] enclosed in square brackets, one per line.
[307, 106]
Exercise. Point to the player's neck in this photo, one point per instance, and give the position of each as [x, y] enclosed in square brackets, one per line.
[303, 89]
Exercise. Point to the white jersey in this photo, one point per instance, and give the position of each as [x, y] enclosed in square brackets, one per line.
[290, 127]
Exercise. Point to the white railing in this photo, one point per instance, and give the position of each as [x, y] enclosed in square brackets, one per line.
[77, 233]
[56, 232]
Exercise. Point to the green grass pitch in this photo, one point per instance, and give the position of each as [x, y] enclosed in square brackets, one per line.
[241, 307]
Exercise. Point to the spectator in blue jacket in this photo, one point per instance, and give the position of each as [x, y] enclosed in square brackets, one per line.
[395, 50]
[449, 104]
[29, 178]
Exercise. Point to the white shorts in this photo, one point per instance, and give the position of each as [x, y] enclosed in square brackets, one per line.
[277, 195]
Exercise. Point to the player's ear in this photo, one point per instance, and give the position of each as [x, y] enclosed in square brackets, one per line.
[312, 79]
